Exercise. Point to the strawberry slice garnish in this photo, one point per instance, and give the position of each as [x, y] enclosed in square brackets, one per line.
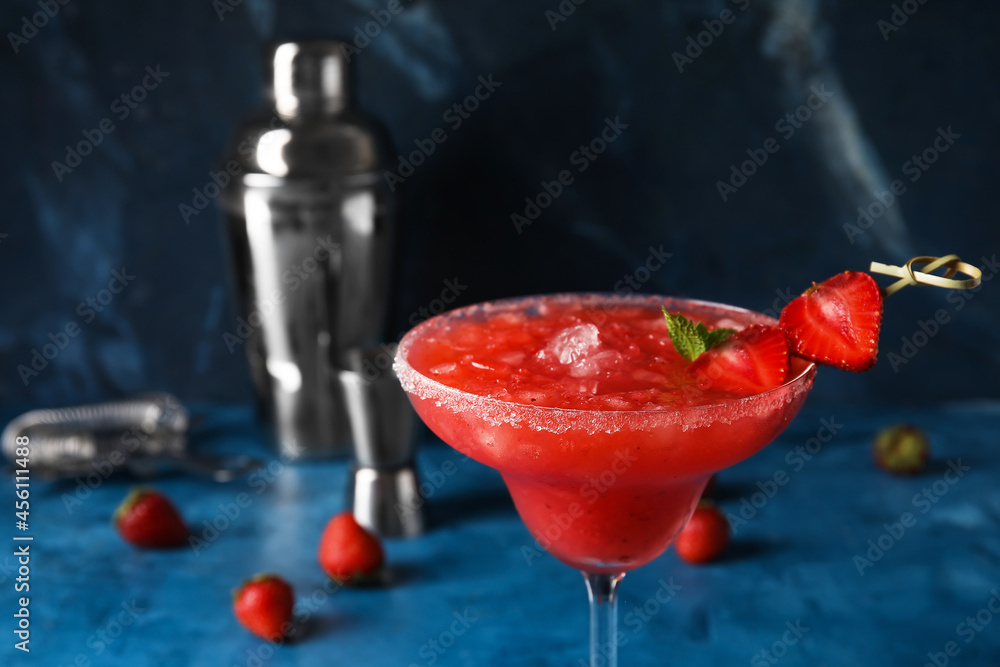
[837, 322]
[749, 362]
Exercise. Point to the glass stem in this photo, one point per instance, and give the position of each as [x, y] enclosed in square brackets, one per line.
[603, 592]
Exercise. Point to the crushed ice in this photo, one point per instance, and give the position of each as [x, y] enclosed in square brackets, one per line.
[579, 347]
[571, 344]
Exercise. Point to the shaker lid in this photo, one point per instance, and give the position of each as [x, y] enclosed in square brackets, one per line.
[308, 78]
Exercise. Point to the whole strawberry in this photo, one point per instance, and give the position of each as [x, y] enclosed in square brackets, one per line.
[147, 518]
[901, 449]
[705, 536]
[263, 605]
[349, 554]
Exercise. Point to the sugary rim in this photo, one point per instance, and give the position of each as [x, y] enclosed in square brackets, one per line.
[415, 382]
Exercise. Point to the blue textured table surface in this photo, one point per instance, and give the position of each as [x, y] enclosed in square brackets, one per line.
[819, 574]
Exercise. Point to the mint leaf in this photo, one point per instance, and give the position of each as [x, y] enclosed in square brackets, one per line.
[687, 339]
[718, 337]
[690, 339]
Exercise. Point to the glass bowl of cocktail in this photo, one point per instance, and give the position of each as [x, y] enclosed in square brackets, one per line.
[607, 414]
[603, 436]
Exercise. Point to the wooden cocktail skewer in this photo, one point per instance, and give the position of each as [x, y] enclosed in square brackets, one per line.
[908, 275]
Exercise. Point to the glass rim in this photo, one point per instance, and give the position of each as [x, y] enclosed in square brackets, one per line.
[402, 364]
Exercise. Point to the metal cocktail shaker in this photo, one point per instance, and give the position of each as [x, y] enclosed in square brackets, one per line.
[310, 223]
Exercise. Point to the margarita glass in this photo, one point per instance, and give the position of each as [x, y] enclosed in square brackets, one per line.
[604, 438]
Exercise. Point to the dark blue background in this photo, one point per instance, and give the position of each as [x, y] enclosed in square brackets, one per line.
[655, 185]
[60, 241]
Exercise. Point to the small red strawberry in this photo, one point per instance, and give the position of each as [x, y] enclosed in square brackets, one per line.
[147, 518]
[902, 449]
[836, 322]
[750, 361]
[263, 605]
[705, 536]
[349, 554]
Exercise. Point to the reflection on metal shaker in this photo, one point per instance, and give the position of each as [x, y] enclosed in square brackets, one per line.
[310, 224]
